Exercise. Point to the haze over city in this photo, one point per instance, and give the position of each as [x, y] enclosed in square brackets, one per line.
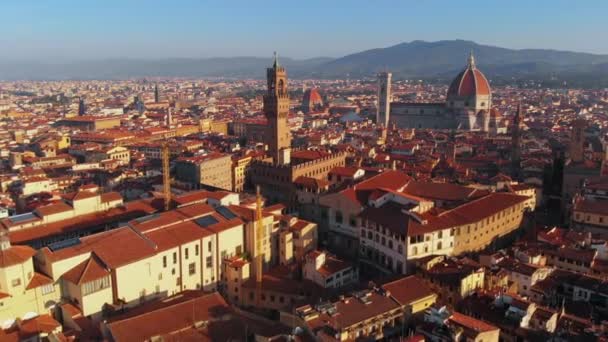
[303, 171]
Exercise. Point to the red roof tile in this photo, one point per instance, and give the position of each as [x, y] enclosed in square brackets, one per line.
[16, 255]
[88, 270]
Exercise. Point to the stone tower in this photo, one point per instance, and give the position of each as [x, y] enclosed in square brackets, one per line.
[276, 110]
[384, 99]
[156, 94]
[82, 108]
[516, 143]
[577, 141]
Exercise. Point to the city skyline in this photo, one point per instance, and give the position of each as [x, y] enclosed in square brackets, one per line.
[68, 30]
[440, 173]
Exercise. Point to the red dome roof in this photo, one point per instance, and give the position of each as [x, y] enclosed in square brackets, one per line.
[469, 82]
[312, 96]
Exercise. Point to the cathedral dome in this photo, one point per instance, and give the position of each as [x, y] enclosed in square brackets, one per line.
[312, 100]
[469, 82]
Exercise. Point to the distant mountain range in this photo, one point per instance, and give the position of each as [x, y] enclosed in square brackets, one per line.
[439, 61]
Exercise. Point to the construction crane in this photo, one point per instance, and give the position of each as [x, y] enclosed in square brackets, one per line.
[166, 174]
[260, 236]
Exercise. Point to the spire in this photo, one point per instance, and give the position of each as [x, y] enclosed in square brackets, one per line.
[275, 64]
[471, 60]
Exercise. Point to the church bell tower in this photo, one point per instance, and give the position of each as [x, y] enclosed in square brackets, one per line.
[276, 110]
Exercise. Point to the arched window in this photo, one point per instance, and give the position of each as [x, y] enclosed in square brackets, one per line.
[439, 245]
[370, 235]
[281, 88]
[390, 244]
[400, 249]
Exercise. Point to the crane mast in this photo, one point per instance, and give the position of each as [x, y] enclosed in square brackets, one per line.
[260, 236]
[166, 175]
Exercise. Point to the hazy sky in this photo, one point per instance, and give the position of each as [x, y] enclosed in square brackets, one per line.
[94, 29]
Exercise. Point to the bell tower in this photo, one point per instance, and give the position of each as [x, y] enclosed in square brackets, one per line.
[276, 110]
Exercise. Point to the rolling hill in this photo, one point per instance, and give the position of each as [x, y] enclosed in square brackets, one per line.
[439, 61]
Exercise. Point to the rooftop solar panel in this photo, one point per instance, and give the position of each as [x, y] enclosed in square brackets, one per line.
[146, 218]
[64, 244]
[206, 221]
[22, 217]
[226, 213]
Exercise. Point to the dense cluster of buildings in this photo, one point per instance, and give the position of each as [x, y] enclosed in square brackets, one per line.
[310, 210]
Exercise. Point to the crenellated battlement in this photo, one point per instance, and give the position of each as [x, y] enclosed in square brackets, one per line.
[320, 160]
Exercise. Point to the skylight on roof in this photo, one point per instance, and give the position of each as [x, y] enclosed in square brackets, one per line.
[56, 246]
[22, 217]
[206, 221]
[226, 213]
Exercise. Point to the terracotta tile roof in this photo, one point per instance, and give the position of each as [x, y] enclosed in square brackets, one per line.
[191, 196]
[125, 212]
[43, 324]
[592, 206]
[391, 215]
[299, 225]
[246, 213]
[443, 191]
[110, 197]
[54, 208]
[38, 280]
[78, 195]
[333, 265]
[169, 316]
[195, 210]
[222, 323]
[477, 210]
[344, 171]
[88, 270]
[352, 311]
[177, 235]
[115, 248]
[360, 192]
[16, 255]
[72, 310]
[519, 267]
[408, 290]
[471, 323]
